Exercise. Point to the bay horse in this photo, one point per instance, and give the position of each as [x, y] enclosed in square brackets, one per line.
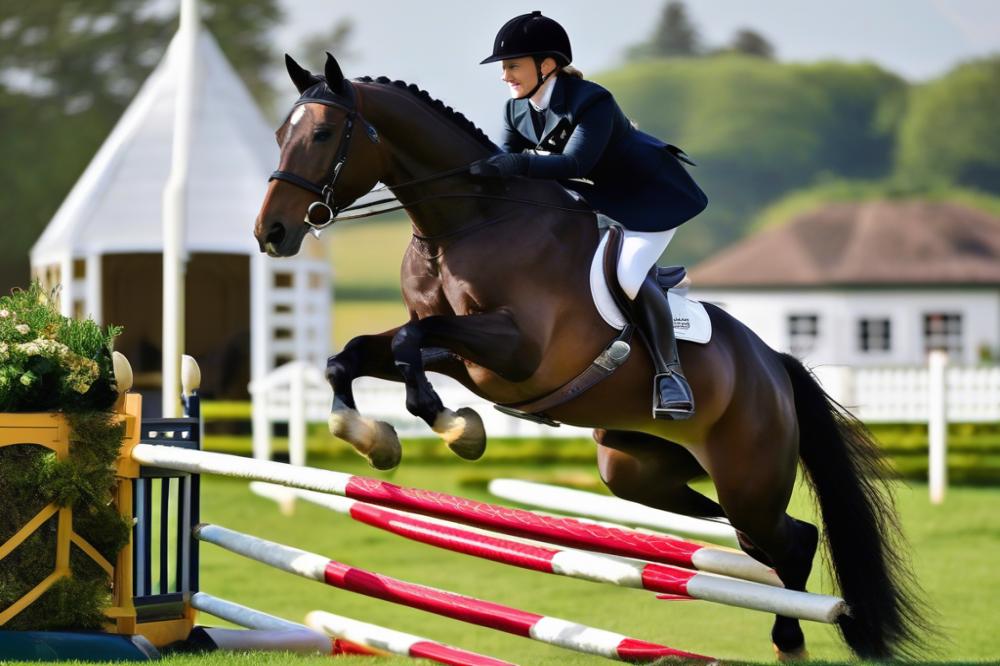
[496, 283]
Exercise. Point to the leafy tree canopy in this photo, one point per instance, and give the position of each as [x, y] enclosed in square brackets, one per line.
[951, 132]
[68, 69]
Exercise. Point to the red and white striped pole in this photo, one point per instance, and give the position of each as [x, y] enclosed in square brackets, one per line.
[554, 631]
[396, 642]
[517, 522]
[623, 572]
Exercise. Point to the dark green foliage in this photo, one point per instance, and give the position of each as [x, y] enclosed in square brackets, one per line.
[752, 43]
[76, 65]
[951, 133]
[40, 350]
[674, 35]
[759, 129]
[50, 362]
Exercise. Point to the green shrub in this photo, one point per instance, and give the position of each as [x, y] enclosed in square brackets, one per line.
[52, 363]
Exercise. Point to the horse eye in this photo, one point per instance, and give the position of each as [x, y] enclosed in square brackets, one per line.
[321, 135]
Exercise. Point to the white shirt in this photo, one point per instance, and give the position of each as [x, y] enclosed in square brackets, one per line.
[540, 100]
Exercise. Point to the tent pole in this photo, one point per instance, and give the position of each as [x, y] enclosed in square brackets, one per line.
[174, 210]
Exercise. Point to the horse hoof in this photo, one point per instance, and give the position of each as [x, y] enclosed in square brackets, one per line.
[375, 440]
[463, 432]
[798, 654]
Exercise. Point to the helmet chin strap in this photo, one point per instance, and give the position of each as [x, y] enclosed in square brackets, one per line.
[542, 78]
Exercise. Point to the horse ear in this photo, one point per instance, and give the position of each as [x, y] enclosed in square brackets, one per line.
[301, 77]
[334, 77]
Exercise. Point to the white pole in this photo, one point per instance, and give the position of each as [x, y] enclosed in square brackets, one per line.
[94, 289]
[937, 425]
[297, 415]
[174, 204]
[260, 332]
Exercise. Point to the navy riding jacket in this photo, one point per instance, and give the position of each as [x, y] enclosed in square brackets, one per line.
[635, 178]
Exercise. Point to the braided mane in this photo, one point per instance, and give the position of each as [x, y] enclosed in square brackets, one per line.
[451, 114]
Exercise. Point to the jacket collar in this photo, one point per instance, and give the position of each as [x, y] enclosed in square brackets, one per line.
[554, 114]
[557, 107]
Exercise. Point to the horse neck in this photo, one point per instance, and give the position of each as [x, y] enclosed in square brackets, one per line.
[419, 142]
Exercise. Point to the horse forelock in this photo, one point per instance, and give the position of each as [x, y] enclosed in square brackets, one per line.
[456, 118]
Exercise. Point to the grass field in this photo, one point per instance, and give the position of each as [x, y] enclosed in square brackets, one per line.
[954, 548]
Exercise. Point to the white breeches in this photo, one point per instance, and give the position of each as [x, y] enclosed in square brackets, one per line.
[640, 250]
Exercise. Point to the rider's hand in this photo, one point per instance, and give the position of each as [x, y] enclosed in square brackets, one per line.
[501, 166]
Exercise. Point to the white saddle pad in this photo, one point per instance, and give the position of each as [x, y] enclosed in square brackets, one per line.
[691, 321]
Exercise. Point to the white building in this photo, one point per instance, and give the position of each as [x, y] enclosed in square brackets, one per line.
[865, 284]
[245, 313]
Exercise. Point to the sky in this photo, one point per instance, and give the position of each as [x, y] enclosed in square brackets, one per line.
[438, 44]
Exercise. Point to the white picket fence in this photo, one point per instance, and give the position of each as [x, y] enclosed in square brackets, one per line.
[297, 393]
[902, 394]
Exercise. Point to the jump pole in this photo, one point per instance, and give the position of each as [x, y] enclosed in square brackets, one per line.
[602, 507]
[350, 636]
[553, 631]
[264, 631]
[518, 522]
[396, 642]
[622, 572]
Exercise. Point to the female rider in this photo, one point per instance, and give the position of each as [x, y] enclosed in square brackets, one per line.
[574, 129]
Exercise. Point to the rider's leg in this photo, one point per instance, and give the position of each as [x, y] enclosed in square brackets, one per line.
[672, 397]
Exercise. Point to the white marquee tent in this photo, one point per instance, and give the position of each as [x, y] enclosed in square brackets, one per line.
[245, 313]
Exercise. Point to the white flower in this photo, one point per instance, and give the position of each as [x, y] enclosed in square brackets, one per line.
[23, 329]
[4, 314]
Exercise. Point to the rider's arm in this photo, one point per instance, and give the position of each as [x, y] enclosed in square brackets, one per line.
[583, 149]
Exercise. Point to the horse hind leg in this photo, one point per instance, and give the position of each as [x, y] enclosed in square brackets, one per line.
[755, 497]
[793, 568]
[653, 471]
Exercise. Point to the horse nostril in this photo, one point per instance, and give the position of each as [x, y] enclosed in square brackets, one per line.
[275, 235]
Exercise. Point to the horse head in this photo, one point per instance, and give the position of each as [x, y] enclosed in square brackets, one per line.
[329, 158]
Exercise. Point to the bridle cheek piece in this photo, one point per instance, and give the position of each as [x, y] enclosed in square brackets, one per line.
[322, 214]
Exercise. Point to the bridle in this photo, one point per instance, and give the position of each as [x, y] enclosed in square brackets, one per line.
[326, 189]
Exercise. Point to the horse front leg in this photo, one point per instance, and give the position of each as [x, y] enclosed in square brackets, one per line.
[491, 340]
[365, 355]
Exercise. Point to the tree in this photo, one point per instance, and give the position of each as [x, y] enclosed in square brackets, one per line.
[951, 131]
[752, 43]
[68, 70]
[674, 35]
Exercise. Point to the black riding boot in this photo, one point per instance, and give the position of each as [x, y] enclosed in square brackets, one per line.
[672, 398]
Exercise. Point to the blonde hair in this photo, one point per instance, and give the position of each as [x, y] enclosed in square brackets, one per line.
[570, 70]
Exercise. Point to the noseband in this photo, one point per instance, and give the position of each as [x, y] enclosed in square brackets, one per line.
[320, 94]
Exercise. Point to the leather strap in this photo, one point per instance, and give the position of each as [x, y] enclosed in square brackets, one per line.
[602, 367]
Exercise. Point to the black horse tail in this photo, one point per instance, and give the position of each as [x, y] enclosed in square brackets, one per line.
[848, 475]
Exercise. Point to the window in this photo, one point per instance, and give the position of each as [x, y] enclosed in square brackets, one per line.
[943, 330]
[874, 335]
[803, 330]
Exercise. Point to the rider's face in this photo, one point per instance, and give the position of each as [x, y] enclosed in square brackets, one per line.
[519, 74]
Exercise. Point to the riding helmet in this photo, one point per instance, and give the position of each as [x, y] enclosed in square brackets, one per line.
[531, 35]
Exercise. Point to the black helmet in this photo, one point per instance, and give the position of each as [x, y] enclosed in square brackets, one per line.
[531, 35]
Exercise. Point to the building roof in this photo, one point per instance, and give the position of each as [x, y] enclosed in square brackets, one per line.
[874, 243]
[115, 206]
